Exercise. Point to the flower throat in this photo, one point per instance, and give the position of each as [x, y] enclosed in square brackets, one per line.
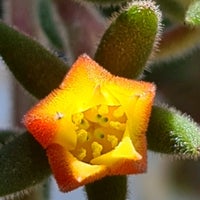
[99, 130]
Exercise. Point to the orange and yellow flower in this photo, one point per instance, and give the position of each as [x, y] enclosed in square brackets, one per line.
[93, 125]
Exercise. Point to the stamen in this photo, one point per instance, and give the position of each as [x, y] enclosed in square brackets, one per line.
[77, 118]
[81, 154]
[113, 140]
[99, 130]
[82, 135]
[96, 149]
[117, 125]
[84, 124]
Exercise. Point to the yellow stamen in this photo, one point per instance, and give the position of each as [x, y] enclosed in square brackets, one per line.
[93, 127]
[84, 124]
[77, 118]
[117, 125]
[82, 135]
[96, 149]
[113, 140]
[81, 154]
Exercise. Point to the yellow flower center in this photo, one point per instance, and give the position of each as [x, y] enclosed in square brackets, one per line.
[99, 130]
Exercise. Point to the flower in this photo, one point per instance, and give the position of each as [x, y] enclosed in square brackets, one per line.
[93, 125]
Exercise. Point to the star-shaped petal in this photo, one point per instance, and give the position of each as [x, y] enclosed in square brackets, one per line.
[93, 125]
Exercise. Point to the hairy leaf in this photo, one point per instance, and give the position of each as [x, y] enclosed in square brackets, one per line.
[171, 132]
[129, 41]
[23, 164]
[38, 70]
[192, 16]
[6, 136]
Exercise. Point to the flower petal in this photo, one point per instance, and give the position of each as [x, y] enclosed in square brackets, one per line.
[125, 151]
[69, 172]
[87, 93]
[47, 120]
[137, 100]
[84, 81]
[79, 91]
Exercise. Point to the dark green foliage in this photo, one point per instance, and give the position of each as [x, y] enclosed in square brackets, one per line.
[23, 164]
[193, 14]
[173, 133]
[6, 136]
[35, 68]
[1, 9]
[129, 40]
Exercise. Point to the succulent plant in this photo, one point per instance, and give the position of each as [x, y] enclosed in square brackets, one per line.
[97, 119]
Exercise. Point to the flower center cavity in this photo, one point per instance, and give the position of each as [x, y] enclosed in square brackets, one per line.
[99, 130]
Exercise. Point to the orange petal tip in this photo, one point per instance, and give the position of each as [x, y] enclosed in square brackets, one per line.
[69, 172]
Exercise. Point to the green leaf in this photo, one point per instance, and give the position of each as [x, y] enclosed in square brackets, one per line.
[48, 23]
[174, 133]
[192, 16]
[111, 187]
[23, 164]
[128, 42]
[6, 136]
[35, 68]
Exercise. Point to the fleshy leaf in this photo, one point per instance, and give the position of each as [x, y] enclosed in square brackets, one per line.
[24, 162]
[6, 136]
[111, 187]
[1, 10]
[129, 41]
[35, 68]
[193, 13]
[174, 133]
[48, 24]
